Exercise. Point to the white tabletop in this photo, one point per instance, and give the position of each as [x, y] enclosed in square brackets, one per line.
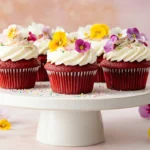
[42, 97]
[124, 130]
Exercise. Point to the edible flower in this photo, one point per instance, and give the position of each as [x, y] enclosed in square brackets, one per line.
[46, 31]
[145, 111]
[12, 31]
[72, 37]
[110, 44]
[81, 46]
[5, 124]
[99, 31]
[32, 37]
[149, 133]
[84, 32]
[59, 40]
[118, 32]
[133, 33]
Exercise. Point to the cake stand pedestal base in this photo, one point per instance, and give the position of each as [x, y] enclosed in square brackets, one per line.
[70, 128]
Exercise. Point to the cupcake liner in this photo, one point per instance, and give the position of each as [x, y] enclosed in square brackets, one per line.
[42, 74]
[100, 75]
[126, 79]
[18, 78]
[72, 82]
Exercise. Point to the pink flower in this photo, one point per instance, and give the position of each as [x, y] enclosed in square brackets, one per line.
[32, 37]
[110, 45]
[81, 46]
[145, 111]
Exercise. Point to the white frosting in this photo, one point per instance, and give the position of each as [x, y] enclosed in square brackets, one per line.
[42, 46]
[98, 46]
[136, 52]
[71, 57]
[18, 52]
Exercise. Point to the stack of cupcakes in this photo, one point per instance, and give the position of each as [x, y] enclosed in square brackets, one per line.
[18, 58]
[97, 35]
[42, 37]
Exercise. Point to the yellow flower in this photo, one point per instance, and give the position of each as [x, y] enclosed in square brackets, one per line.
[149, 133]
[5, 124]
[106, 28]
[99, 31]
[12, 33]
[59, 40]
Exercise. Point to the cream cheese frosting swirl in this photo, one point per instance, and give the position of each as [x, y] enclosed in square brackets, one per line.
[134, 52]
[18, 52]
[71, 57]
[42, 46]
[98, 46]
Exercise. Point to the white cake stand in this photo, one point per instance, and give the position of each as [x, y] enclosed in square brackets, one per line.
[72, 120]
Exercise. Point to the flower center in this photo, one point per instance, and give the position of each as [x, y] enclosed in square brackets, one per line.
[60, 42]
[3, 125]
[73, 40]
[86, 34]
[12, 33]
[134, 35]
[81, 47]
[119, 34]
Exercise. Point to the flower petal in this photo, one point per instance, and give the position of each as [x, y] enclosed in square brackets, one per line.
[109, 46]
[145, 111]
[87, 46]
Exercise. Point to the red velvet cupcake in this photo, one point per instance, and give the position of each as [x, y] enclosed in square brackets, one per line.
[71, 67]
[127, 61]
[18, 75]
[42, 34]
[18, 59]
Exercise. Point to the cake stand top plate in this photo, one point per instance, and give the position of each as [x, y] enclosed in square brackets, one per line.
[42, 97]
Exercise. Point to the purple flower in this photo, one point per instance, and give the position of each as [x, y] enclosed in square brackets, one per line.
[145, 111]
[81, 46]
[133, 33]
[110, 44]
[31, 37]
[143, 37]
[46, 31]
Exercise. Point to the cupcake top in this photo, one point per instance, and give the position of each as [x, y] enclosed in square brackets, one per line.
[96, 34]
[16, 44]
[43, 36]
[66, 49]
[127, 45]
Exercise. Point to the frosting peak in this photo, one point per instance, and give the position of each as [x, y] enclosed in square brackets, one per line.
[63, 51]
[129, 47]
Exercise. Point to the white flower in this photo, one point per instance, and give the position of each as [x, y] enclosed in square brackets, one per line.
[72, 36]
[39, 29]
[84, 32]
[13, 31]
[58, 29]
[118, 32]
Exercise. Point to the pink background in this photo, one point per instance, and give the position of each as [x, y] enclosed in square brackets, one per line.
[73, 13]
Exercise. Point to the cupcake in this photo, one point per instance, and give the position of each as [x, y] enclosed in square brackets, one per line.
[71, 64]
[126, 60]
[42, 35]
[97, 35]
[18, 58]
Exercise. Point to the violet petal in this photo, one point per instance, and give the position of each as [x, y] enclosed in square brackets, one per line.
[145, 111]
